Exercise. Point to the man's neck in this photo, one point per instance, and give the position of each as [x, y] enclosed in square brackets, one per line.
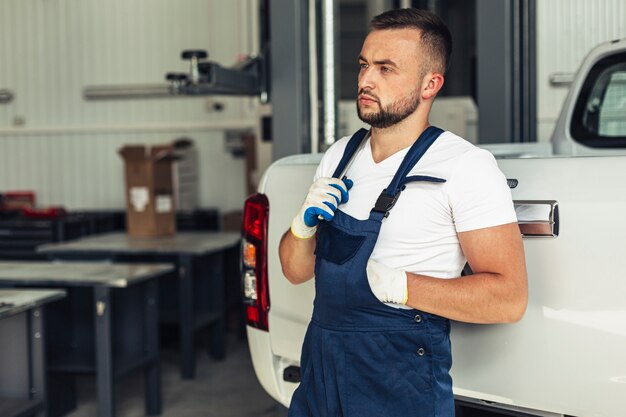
[386, 142]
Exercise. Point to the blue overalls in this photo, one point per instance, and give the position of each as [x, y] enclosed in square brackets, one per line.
[360, 357]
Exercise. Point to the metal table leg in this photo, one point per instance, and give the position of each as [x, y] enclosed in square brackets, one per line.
[38, 359]
[186, 317]
[104, 353]
[217, 342]
[152, 371]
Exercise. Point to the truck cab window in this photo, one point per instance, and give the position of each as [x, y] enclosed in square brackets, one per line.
[612, 116]
[599, 118]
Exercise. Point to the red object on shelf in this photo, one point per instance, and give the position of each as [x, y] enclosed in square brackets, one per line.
[44, 213]
[17, 200]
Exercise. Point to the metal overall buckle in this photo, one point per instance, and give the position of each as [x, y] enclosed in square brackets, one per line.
[385, 202]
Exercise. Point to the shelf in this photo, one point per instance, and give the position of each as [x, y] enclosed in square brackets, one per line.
[73, 361]
[85, 363]
[200, 318]
[130, 363]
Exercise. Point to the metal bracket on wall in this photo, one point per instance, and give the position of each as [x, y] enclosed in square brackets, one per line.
[6, 96]
[247, 78]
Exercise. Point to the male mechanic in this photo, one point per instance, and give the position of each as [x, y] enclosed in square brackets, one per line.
[392, 217]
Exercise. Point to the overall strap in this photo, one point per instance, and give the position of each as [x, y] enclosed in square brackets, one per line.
[389, 196]
[351, 147]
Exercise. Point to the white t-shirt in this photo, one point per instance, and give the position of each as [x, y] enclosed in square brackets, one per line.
[420, 234]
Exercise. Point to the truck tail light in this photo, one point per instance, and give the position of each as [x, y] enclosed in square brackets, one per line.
[254, 261]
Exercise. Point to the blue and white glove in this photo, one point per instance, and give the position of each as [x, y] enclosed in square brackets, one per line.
[323, 198]
[388, 285]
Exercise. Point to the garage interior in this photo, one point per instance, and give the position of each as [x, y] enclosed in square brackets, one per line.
[102, 103]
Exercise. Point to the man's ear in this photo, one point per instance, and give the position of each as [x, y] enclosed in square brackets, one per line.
[431, 84]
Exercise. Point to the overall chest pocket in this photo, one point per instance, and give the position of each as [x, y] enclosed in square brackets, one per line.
[335, 245]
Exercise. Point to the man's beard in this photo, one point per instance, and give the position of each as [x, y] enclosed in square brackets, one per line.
[390, 115]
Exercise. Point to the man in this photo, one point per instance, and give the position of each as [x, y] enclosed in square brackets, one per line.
[397, 212]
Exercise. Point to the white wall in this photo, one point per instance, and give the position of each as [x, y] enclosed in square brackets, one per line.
[65, 148]
[566, 31]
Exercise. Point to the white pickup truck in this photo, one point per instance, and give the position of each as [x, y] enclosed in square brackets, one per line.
[567, 356]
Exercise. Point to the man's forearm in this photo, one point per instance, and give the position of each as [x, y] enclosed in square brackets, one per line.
[297, 257]
[477, 298]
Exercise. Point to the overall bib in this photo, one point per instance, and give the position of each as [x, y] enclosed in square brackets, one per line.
[362, 358]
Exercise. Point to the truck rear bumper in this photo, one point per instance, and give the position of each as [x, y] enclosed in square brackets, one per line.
[269, 367]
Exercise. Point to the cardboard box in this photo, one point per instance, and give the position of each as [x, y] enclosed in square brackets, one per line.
[150, 204]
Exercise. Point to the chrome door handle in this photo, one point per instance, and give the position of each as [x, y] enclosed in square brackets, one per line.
[537, 218]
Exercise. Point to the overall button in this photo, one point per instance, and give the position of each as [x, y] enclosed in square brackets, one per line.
[420, 352]
[418, 318]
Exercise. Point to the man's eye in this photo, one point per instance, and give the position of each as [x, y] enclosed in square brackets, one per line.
[386, 69]
[362, 65]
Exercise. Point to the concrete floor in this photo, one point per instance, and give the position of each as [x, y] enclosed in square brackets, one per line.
[226, 388]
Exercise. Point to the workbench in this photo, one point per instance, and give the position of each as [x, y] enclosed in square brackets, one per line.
[107, 325]
[191, 300]
[22, 359]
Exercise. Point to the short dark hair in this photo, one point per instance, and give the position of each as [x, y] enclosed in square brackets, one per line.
[435, 35]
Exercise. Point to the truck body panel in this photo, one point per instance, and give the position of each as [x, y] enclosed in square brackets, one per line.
[565, 355]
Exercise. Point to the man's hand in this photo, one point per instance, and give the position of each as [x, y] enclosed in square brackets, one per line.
[323, 198]
[388, 285]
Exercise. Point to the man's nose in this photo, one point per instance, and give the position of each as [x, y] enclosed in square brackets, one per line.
[366, 79]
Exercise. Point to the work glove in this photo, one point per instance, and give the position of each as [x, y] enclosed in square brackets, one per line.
[388, 285]
[323, 198]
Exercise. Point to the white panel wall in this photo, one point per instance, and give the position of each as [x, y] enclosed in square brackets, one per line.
[566, 31]
[65, 148]
[86, 173]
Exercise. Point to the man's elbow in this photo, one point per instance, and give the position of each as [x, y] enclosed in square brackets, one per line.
[517, 306]
[294, 275]
[516, 311]
[289, 274]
